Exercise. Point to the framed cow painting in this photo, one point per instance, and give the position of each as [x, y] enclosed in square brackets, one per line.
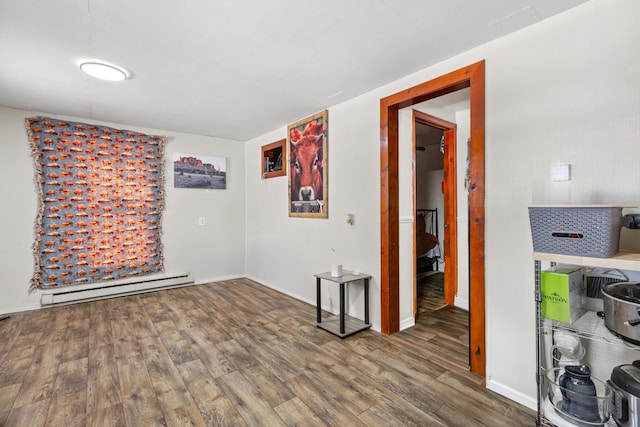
[307, 140]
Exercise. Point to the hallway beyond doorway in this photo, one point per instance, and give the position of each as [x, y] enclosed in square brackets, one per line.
[441, 330]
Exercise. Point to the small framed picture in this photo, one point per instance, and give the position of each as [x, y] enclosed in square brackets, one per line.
[198, 171]
[274, 159]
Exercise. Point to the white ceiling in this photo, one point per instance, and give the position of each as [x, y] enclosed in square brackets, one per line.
[233, 68]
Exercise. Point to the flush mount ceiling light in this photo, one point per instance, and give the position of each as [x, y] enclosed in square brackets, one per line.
[103, 71]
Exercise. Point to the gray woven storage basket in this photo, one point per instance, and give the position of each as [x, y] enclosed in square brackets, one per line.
[590, 231]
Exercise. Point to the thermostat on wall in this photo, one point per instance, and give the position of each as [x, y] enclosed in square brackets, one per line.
[561, 172]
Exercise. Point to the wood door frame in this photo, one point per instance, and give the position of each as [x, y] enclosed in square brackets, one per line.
[473, 77]
[450, 248]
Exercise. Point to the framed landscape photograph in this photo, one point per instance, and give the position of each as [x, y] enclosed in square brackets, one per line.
[308, 190]
[198, 171]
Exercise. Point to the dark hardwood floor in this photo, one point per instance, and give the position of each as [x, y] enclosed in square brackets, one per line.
[440, 330]
[430, 293]
[231, 353]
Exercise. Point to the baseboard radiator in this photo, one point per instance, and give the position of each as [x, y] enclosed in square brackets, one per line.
[115, 288]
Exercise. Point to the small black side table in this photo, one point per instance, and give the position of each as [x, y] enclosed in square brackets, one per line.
[342, 325]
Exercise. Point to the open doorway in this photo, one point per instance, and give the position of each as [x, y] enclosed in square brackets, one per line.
[429, 207]
[441, 309]
[428, 201]
[471, 77]
[435, 185]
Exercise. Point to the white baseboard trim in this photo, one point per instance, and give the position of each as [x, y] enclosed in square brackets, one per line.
[299, 297]
[28, 307]
[461, 303]
[220, 278]
[512, 394]
[407, 323]
[283, 291]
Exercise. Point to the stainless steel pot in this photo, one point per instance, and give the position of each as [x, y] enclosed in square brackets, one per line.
[622, 310]
[625, 382]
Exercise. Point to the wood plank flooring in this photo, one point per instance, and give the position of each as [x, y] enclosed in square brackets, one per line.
[440, 330]
[231, 353]
[430, 293]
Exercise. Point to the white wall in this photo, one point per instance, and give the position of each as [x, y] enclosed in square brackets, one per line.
[210, 252]
[284, 252]
[564, 90]
[463, 120]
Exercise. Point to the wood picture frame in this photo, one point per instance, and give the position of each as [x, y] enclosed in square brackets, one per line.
[274, 159]
[307, 142]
